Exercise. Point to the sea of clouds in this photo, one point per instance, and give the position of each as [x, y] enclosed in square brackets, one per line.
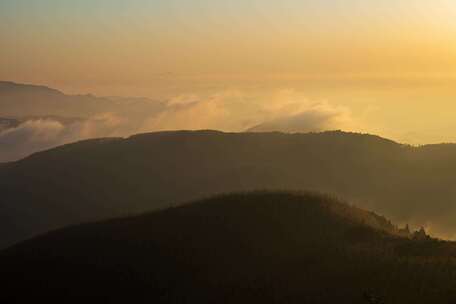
[231, 111]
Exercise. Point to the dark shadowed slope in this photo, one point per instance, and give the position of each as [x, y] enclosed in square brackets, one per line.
[241, 248]
[105, 178]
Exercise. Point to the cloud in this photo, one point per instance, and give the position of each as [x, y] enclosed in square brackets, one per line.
[317, 117]
[230, 110]
[29, 137]
[235, 111]
[40, 134]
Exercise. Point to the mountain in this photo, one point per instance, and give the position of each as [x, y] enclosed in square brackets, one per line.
[12, 88]
[262, 247]
[112, 177]
[22, 100]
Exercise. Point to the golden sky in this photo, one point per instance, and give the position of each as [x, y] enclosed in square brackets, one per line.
[393, 58]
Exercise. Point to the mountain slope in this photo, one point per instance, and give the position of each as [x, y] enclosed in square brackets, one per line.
[243, 248]
[104, 178]
[11, 88]
[24, 100]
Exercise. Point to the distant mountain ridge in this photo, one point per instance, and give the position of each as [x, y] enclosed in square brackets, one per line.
[9, 87]
[261, 247]
[20, 100]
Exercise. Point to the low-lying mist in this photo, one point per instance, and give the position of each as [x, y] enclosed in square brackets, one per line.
[231, 111]
[37, 134]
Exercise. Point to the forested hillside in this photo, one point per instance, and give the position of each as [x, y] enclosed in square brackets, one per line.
[259, 247]
[104, 178]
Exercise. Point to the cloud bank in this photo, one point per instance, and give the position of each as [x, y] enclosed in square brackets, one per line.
[35, 135]
[318, 117]
[231, 111]
[285, 111]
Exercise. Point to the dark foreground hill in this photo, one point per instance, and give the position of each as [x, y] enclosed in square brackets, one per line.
[99, 179]
[241, 248]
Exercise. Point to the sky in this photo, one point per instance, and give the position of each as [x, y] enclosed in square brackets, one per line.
[390, 63]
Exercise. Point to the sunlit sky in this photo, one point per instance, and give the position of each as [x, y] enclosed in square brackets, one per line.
[392, 62]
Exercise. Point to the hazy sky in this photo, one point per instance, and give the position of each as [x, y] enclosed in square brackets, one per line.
[391, 62]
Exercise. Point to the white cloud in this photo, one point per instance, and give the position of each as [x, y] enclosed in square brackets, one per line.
[40, 134]
[285, 110]
[230, 110]
[319, 117]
